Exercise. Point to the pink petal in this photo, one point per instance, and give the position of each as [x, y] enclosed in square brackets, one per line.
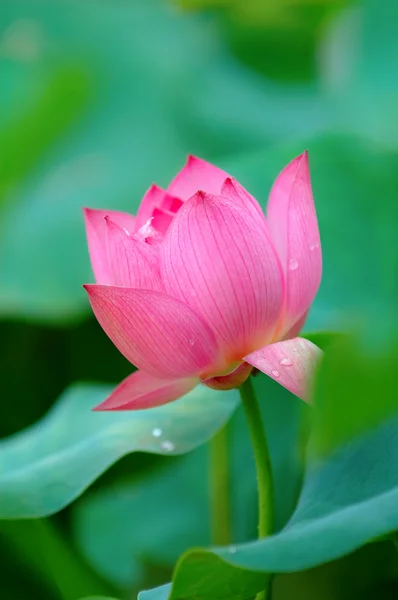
[293, 223]
[97, 239]
[171, 203]
[161, 220]
[234, 191]
[132, 261]
[155, 197]
[197, 175]
[291, 363]
[141, 390]
[232, 380]
[297, 327]
[217, 258]
[155, 332]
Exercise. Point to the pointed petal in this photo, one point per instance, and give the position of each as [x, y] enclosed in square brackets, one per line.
[217, 258]
[97, 239]
[133, 262]
[197, 175]
[155, 332]
[294, 226]
[155, 197]
[234, 191]
[141, 390]
[291, 363]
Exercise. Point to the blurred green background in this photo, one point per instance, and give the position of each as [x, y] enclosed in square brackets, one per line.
[97, 100]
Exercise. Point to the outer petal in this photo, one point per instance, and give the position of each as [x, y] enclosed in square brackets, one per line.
[216, 257]
[155, 197]
[155, 332]
[141, 390]
[97, 239]
[293, 223]
[234, 191]
[292, 363]
[197, 175]
[132, 261]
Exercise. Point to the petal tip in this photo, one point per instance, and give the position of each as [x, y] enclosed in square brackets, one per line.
[191, 159]
[90, 288]
[301, 160]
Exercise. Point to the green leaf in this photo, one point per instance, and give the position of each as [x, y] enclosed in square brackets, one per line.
[367, 574]
[125, 526]
[45, 467]
[157, 594]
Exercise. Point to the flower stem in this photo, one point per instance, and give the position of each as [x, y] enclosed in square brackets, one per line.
[219, 489]
[263, 465]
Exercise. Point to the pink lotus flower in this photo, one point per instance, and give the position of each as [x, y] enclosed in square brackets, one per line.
[200, 286]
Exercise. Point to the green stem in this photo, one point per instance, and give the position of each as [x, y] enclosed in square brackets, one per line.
[219, 489]
[263, 465]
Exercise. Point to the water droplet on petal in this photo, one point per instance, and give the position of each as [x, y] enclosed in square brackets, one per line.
[157, 432]
[167, 446]
[232, 549]
[286, 362]
[191, 342]
[293, 264]
[275, 373]
[126, 231]
[314, 247]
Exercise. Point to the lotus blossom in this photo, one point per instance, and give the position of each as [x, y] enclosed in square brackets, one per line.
[201, 287]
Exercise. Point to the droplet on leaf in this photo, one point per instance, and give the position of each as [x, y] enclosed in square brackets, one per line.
[167, 446]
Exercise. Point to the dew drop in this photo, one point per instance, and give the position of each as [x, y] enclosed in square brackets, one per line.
[126, 231]
[157, 432]
[314, 247]
[286, 362]
[275, 373]
[293, 264]
[167, 446]
[191, 342]
[232, 549]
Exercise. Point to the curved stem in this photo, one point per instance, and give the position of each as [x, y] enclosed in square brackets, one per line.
[263, 464]
[219, 489]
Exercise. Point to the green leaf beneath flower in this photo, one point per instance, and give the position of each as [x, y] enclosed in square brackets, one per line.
[45, 467]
